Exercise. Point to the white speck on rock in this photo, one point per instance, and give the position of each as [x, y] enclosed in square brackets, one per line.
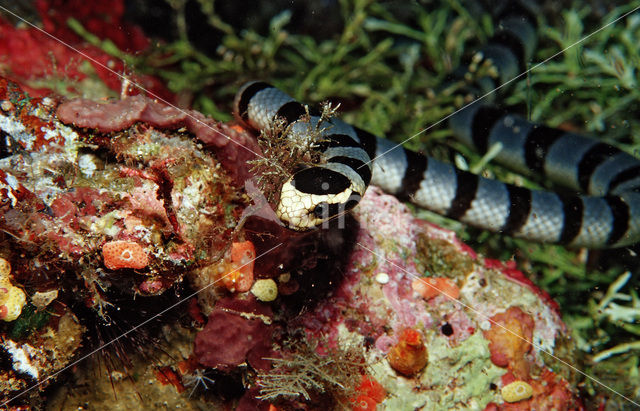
[382, 278]
[87, 164]
[485, 325]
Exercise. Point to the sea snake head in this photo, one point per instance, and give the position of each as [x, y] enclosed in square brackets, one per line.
[317, 192]
[315, 195]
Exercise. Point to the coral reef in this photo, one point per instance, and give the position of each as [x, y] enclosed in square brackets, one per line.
[114, 205]
[97, 202]
[465, 368]
[140, 197]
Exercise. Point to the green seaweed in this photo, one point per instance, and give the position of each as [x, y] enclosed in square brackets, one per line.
[30, 320]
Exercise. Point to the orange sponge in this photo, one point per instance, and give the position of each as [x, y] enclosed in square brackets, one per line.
[124, 254]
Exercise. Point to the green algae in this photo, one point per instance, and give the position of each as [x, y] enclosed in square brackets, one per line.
[30, 320]
[465, 371]
[441, 258]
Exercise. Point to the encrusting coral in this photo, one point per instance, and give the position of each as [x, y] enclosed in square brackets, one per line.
[12, 298]
[433, 286]
[237, 331]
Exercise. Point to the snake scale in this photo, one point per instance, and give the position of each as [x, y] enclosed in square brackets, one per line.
[607, 214]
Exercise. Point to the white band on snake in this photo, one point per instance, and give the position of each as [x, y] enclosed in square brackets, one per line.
[607, 215]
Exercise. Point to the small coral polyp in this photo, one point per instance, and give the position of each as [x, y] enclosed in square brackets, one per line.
[124, 254]
[12, 298]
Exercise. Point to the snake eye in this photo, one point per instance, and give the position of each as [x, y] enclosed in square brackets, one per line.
[326, 210]
[321, 210]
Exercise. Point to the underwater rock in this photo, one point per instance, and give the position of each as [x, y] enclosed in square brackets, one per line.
[233, 149]
[463, 370]
[357, 285]
[74, 201]
[84, 174]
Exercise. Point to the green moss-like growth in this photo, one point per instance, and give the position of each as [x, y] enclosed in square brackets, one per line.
[441, 258]
[465, 370]
[29, 321]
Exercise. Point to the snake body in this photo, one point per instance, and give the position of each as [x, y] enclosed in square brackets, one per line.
[607, 215]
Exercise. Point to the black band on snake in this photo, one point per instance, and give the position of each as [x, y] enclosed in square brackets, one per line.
[607, 215]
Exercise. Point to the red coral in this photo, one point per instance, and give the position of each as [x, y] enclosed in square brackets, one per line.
[124, 254]
[195, 312]
[509, 338]
[409, 356]
[372, 388]
[364, 403]
[166, 375]
[29, 54]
